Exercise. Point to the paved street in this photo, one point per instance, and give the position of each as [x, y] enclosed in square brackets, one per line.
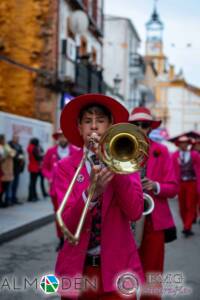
[33, 255]
[182, 256]
[30, 256]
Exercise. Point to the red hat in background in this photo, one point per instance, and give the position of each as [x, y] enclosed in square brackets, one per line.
[143, 114]
[191, 135]
[71, 111]
[183, 139]
[57, 133]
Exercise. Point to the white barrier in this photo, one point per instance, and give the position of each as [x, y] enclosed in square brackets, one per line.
[25, 128]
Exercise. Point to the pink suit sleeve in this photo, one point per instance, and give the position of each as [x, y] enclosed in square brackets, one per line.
[169, 182]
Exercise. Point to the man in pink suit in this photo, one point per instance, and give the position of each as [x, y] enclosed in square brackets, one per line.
[187, 166]
[159, 181]
[106, 251]
[53, 155]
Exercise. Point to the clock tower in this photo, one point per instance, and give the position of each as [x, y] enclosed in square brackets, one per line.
[154, 41]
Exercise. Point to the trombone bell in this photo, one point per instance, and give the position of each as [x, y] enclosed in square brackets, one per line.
[123, 148]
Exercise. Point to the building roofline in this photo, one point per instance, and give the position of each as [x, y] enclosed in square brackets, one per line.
[131, 24]
[183, 83]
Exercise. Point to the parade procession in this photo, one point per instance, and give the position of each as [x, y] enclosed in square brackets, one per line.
[99, 150]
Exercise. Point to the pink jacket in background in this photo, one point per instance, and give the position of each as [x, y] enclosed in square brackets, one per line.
[122, 202]
[160, 168]
[196, 165]
[50, 161]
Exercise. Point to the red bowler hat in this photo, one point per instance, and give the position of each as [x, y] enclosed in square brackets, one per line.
[71, 111]
[193, 134]
[181, 139]
[57, 133]
[143, 114]
[190, 134]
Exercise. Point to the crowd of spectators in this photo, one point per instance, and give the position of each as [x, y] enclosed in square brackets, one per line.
[12, 163]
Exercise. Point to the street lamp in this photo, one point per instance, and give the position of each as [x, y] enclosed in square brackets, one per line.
[117, 80]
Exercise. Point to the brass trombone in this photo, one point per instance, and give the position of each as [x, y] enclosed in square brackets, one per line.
[123, 149]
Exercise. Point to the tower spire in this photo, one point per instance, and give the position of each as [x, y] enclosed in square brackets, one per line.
[154, 41]
[155, 7]
[155, 18]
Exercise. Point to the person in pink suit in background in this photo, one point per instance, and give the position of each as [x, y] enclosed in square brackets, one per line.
[61, 150]
[187, 167]
[159, 181]
[107, 250]
[196, 147]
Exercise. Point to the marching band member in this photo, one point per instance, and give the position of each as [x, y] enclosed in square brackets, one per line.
[187, 166]
[160, 183]
[53, 155]
[196, 147]
[106, 249]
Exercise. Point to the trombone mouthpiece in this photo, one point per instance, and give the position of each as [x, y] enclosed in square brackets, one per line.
[93, 140]
[94, 136]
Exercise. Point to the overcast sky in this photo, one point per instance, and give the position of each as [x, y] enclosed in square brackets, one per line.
[181, 19]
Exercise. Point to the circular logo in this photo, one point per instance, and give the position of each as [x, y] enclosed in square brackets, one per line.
[80, 178]
[128, 284]
[49, 284]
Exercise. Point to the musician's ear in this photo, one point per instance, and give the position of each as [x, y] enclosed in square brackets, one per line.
[80, 128]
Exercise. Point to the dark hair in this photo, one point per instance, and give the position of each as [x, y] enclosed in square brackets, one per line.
[95, 108]
[34, 141]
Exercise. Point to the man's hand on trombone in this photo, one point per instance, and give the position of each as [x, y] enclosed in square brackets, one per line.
[149, 185]
[101, 175]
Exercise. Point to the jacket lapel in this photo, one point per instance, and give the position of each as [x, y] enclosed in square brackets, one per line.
[83, 176]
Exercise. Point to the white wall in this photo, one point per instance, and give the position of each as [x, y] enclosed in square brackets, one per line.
[184, 110]
[119, 41]
[25, 128]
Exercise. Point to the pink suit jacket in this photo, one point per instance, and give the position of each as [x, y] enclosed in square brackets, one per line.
[196, 165]
[50, 161]
[122, 202]
[160, 168]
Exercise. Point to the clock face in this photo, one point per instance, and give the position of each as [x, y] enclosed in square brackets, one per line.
[153, 48]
